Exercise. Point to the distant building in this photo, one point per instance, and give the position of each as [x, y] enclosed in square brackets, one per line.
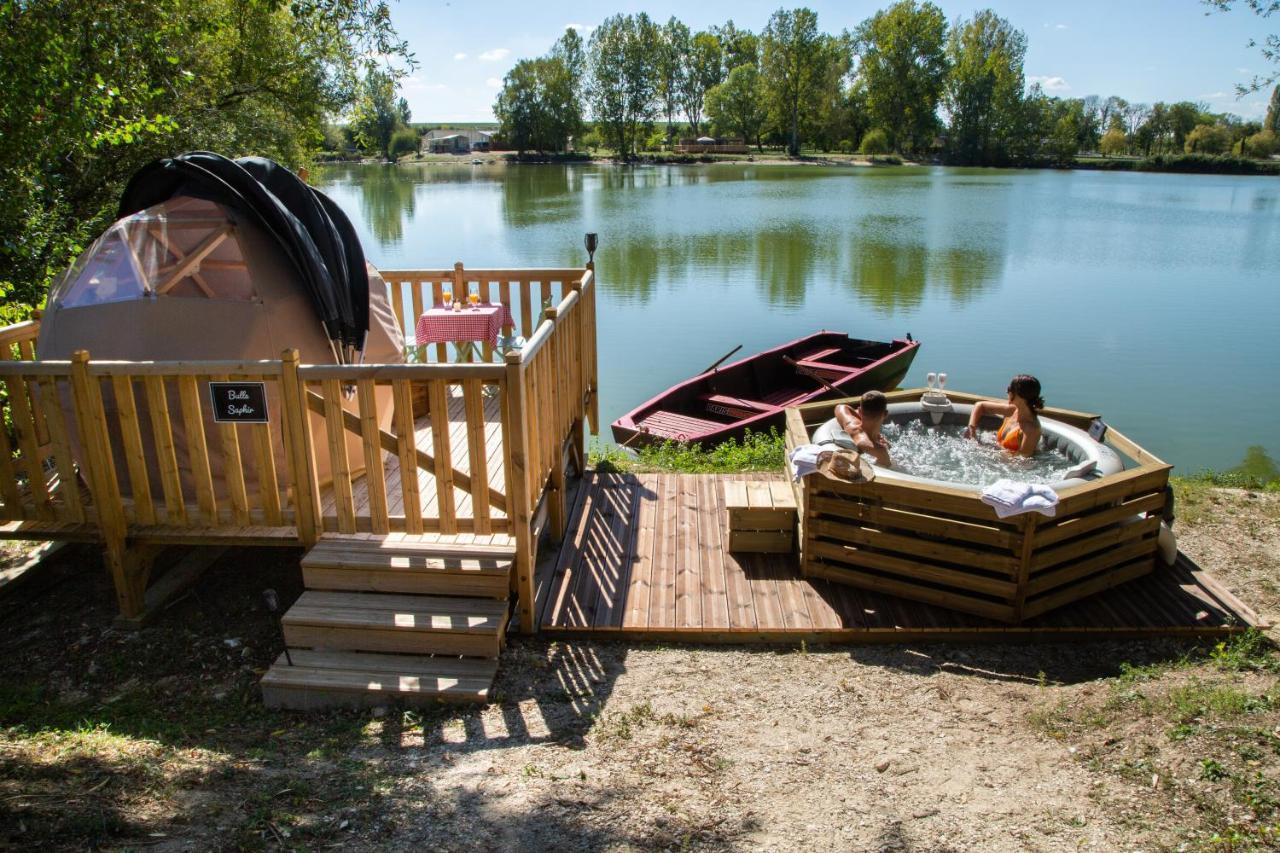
[456, 141]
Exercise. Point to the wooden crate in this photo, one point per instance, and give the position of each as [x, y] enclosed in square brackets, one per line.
[762, 517]
[944, 546]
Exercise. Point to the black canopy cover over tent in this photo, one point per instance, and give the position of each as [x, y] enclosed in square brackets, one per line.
[311, 230]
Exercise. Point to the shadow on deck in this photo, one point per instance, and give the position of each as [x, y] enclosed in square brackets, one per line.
[645, 557]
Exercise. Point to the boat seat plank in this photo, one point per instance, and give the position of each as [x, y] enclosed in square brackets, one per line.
[737, 402]
[677, 426]
[787, 396]
[825, 365]
[818, 354]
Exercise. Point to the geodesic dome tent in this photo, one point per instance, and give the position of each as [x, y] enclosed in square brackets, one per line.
[213, 260]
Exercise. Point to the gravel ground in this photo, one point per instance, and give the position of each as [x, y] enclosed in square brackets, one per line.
[158, 738]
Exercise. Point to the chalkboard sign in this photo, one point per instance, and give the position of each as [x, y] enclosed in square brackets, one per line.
[239, 402]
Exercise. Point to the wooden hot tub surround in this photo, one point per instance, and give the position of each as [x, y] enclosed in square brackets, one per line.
[943, 546]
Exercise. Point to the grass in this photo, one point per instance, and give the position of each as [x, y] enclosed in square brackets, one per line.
[756, 452]
[1201, 728]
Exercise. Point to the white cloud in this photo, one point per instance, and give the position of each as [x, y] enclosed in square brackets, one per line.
[1056, 27]
[420, 84]
[459, 56]
[493, 83]
[494, 55]
[1050, 84]
[584, 29]
[1242, 71]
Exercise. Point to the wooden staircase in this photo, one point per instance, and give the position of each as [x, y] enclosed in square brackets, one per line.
[393, 618]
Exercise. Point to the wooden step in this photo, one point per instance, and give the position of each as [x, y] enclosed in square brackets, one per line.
[410, 624]
[407, 565]
[329, 679]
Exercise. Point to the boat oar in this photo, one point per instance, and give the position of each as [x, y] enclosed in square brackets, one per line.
[801, 369]
[722, 358]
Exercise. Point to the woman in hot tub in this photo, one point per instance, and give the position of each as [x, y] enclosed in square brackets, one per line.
[1019, 433]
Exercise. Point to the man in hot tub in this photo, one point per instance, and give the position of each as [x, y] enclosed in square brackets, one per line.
[862, 425]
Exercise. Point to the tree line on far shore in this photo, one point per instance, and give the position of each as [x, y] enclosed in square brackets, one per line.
[904, 81]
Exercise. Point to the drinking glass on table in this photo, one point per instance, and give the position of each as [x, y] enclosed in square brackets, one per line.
[446, 298]
[474, 299]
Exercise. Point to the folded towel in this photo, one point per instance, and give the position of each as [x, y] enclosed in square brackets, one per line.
[1010, 498]
[1006, 493]
[804, 460]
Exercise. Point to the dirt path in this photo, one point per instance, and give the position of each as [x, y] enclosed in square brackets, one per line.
[159, 738]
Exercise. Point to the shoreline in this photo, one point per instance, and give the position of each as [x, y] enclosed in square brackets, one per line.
[1161, 164]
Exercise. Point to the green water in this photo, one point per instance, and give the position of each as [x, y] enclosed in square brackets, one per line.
[1154, 299]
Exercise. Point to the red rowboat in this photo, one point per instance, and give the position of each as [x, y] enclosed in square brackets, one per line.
[751, 394]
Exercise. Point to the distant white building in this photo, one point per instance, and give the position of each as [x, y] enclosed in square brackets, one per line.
[456, 141]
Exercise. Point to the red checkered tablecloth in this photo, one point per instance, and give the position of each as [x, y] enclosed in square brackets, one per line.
[483, 323]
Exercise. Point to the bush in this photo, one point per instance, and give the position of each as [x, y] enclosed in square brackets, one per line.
[403, 141]
[590, 141]
[1114, 142]
[875, 141]
[1208, 139]
[756, 452]
[1261, 144]
[656, 141]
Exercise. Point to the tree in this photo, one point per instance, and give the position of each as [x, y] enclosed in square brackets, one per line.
[875, 141]
[376, 116]
[1184, 116]
[1272, 122]
[623, 78]
[93, 91]
[1113, 142]
[538, 107]
[903, 64]
[701, 71]
[984, 88]
[1208, 139]
[569, 50]
[1264, 143]
[670, 68]
[740, 47]
[792, 63]
[738, 104]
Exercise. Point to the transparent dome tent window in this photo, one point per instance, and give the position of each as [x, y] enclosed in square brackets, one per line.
[183, 248]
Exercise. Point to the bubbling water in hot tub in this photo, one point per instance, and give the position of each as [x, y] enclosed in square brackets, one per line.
[943, 452]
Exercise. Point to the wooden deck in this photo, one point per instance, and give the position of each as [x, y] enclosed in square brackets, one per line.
[645, 558]
[459, 452]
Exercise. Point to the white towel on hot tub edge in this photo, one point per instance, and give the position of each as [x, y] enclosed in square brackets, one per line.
[1009, 497]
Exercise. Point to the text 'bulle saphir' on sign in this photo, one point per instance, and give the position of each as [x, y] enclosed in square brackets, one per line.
[239, 402]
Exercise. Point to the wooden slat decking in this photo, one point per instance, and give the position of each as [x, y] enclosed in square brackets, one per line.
[461, 456]
[645, 558]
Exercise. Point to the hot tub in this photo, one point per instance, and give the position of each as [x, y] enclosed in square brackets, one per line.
[1083, 460]
[932, 540]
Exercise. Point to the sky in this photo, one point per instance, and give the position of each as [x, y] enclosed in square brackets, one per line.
[1142, 50]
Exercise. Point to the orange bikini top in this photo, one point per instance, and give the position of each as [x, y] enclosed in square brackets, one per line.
[1009, 435]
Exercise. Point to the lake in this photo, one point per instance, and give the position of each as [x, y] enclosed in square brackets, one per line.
[1151, 298]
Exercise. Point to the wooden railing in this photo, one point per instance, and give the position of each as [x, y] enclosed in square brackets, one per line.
[129, 453]
[527, 294]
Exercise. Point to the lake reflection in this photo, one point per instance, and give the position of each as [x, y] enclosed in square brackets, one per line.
[1124, 293]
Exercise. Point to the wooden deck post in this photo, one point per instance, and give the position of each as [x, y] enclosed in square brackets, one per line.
[1024, 565]
[519, 510]
[128, 571]
[557, 508]
[591, 356]
[297, 436]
